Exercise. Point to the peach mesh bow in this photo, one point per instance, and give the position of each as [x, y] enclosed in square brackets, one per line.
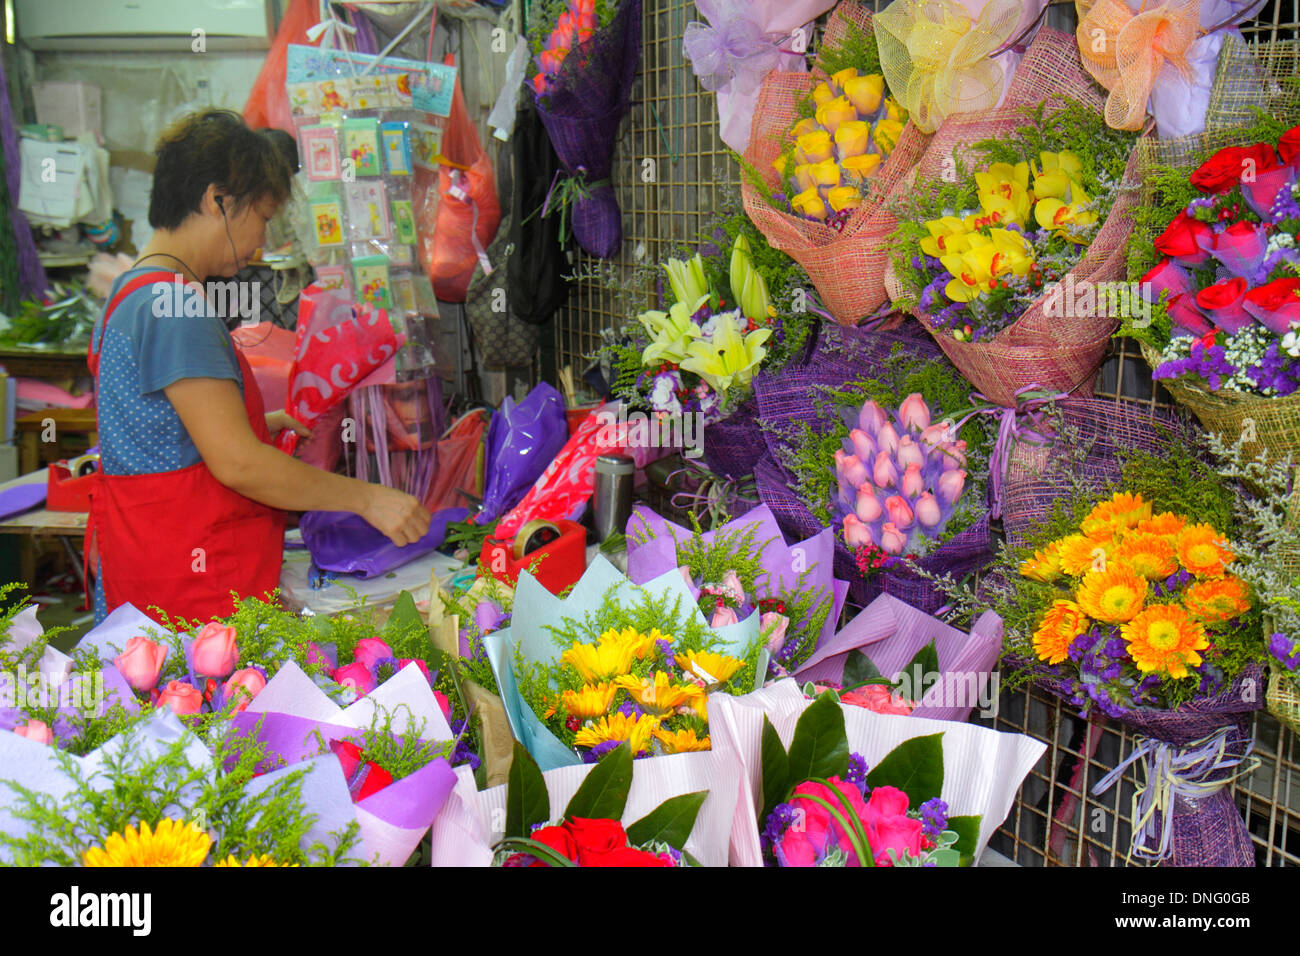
[1126, 51]
[936, 60]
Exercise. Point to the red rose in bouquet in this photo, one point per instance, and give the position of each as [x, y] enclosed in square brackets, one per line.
[1181, 240]
[1288, 146]
[1276, 305]
[1223, 303]
[1222, 171]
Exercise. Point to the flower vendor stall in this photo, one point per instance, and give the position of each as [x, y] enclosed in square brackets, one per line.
[906, 476]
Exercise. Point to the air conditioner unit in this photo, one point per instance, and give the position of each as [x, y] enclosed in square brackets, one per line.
[129, 25]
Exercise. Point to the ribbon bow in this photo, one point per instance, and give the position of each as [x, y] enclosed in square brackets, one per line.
[1125, 51]
[1025, 421]
[1172, 771]
[329, 30]
[736, 51]
[937, 62]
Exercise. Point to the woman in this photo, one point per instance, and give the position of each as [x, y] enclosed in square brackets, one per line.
[190, 504]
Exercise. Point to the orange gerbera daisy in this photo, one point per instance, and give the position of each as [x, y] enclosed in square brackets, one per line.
[1166, 523]
[1080, 554]
[1064, 622]
[1114, 595]
[1165, 639]
[1150, 555]
[1111, 518]
[1203, 551]
[1044, 566]
[1217, 599]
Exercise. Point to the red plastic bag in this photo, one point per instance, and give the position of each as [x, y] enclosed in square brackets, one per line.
[268, 103]
[462, 208]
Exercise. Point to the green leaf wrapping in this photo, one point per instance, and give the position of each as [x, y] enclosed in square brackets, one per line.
[915, 766]
[968, 834]
[820, 747]
[859, 671]
[603, 794]
[928, 659]
[526, 799]
[776, 769]
[671, 822]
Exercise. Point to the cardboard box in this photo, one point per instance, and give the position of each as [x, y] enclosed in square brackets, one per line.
[76, 107]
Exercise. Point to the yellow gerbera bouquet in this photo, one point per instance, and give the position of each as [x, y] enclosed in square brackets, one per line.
[1131, 600]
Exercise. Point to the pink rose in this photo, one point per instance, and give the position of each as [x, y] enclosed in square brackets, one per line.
[723, 617]
[443, 703]
[935, 435]
[868, 506]
[357, 676]
[181, 698]
[731, 584]
[909, 453]
[863, 445]
[914, 413]
[1240, 248]
[774, 625]
[1224, 303]
[954, 456]
[424, 668]
[887, 440]
[899, 512]
[888, 826]
[885, 472]
[243, 685]
[37, 731]
[1167, 276]
[856, 534]
[888, 802]
[950, 486]
[928, 512]
[318, 655]
[854, 472]
[141, 662]
[806, 840]
[871, 418]
[370, 651]
[213, 651]
[892, 541]
[878, 698]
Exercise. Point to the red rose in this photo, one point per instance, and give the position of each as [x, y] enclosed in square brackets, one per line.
[596, 836]
[1186, 317]
[559, 840]
[1222, 171]
[1179, 240]
[1288, 146]
[1223, 302]
[363, 778]
[624, 856]
[1276, 304]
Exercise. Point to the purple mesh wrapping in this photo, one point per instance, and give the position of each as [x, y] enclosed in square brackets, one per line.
[31, 274]
[733, 446]
[842, 355]
[581, 111]
[1207, 831]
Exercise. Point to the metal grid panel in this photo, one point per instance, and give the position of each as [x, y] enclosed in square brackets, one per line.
[1055, 819]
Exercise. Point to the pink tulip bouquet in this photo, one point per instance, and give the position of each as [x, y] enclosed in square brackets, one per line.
[830, 784]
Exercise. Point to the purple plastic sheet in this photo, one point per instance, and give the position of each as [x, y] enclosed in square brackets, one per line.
[523, 439]
[22, 498]
[348, 544]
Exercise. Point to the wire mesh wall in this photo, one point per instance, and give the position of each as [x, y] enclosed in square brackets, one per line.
[671, 173]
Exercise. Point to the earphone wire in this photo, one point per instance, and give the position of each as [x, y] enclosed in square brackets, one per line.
[221, 204]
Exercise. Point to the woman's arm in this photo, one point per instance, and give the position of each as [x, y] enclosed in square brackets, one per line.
[212, 411]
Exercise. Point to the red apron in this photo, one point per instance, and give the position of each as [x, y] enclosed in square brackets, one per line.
[181, 540]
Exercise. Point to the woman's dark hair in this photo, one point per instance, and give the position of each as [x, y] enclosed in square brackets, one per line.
[286, 144]
[213, 146]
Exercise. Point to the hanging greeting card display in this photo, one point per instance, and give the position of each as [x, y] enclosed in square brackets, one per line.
[364, 123]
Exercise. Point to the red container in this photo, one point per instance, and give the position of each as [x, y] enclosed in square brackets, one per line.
[576, 416]
[66, 493]
[559, 563]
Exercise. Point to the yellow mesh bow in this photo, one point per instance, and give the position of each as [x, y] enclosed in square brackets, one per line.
[936, 59]
[1126, 51]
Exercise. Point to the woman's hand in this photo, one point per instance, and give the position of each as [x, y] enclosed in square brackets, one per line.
[396, 514]
[279, 420]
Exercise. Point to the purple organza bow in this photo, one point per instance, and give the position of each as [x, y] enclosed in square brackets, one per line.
[1175, 771]
[1022, 422]
[735, 50]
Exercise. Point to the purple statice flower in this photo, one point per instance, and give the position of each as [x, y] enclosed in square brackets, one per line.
[1285, 650]
[777, 823]
[1285, 205]
[630, 709]
[598, 751]
[665, 648]
[934, 818]
[385, 668]
[463, 754]
[857, 774]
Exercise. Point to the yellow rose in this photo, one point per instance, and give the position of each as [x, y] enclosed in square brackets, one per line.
[887, 133]
[865, 93]
[813, 147]
[834, 112]
[862, 167]
[842, 77]
[803, 177]
[844, 197]
[852, 139]
[825, 173]
[822, 94]
[809, 204]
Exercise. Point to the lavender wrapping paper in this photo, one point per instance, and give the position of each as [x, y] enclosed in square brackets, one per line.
[891, 632]
[983, 769]
[782, 563]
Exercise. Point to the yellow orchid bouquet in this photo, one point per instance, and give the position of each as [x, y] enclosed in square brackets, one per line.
[831, 155]
[978, 248]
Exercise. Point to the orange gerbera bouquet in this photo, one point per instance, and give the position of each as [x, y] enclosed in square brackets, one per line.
[1137, 608]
